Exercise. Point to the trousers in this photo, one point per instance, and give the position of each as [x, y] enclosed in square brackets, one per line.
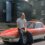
[25, 38]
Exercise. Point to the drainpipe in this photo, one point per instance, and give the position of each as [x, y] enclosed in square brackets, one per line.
[8, 11]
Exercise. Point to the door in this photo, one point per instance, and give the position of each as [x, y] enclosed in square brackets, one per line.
[25, 7]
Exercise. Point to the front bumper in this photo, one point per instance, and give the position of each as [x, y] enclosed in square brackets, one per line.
[10, 39]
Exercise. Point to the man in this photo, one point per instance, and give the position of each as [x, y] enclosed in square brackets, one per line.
[21, 23]
[25, 37]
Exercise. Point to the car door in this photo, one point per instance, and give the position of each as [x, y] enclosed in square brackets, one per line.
[40, 28]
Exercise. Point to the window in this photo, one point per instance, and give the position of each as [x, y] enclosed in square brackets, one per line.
[38, 25]
[42, 12]
[27, 0]
[34, 25]
[30, 25]
[42, 3]
[34, 11]
[32, 3]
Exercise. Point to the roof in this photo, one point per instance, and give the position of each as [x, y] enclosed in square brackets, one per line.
[35, 21]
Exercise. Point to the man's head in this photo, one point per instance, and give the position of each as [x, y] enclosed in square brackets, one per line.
[22, 15]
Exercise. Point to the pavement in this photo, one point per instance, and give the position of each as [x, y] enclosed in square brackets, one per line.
[39, 43]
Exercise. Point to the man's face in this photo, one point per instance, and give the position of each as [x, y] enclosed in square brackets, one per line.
[23, 16]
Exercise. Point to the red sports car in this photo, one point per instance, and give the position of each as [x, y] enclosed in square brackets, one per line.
[37, 29]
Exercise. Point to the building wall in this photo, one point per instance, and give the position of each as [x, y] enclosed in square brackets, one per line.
[23, 6]
[4, 16]
[15, 10]
[1, 9]
[38, 8]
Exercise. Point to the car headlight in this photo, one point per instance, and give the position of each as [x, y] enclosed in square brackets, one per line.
[14, 40]
[10, 40]
[1, 41]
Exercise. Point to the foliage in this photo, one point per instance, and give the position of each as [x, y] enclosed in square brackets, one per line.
[33, 17]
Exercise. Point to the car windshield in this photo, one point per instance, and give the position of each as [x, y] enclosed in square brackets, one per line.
[34, 25]
[30, 25]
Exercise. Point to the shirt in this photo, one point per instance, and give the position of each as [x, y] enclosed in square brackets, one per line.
[21, 23]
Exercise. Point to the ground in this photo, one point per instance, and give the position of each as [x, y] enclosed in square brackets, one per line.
[40, 43]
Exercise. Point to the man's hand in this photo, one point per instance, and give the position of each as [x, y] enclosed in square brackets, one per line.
[25, 30]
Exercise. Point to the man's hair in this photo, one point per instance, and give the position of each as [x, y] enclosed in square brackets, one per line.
[22, 13]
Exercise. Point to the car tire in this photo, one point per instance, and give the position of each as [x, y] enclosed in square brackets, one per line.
[6, 42]
[44, 37]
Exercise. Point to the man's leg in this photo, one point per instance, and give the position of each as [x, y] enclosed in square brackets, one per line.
[29, 38]
[22, 37]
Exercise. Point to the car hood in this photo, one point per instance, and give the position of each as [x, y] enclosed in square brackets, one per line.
[14, 32]
[9, 32]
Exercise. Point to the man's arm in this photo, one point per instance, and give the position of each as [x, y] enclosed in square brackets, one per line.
[25, 25]
[17, 23]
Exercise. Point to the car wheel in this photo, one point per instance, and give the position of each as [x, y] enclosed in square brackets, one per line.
[6, 42]
[44, 37]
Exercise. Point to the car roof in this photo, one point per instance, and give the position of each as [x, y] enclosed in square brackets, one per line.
[35, 21]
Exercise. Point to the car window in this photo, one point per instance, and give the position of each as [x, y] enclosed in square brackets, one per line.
[38, 25]
[34, 25]
[30, 25]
